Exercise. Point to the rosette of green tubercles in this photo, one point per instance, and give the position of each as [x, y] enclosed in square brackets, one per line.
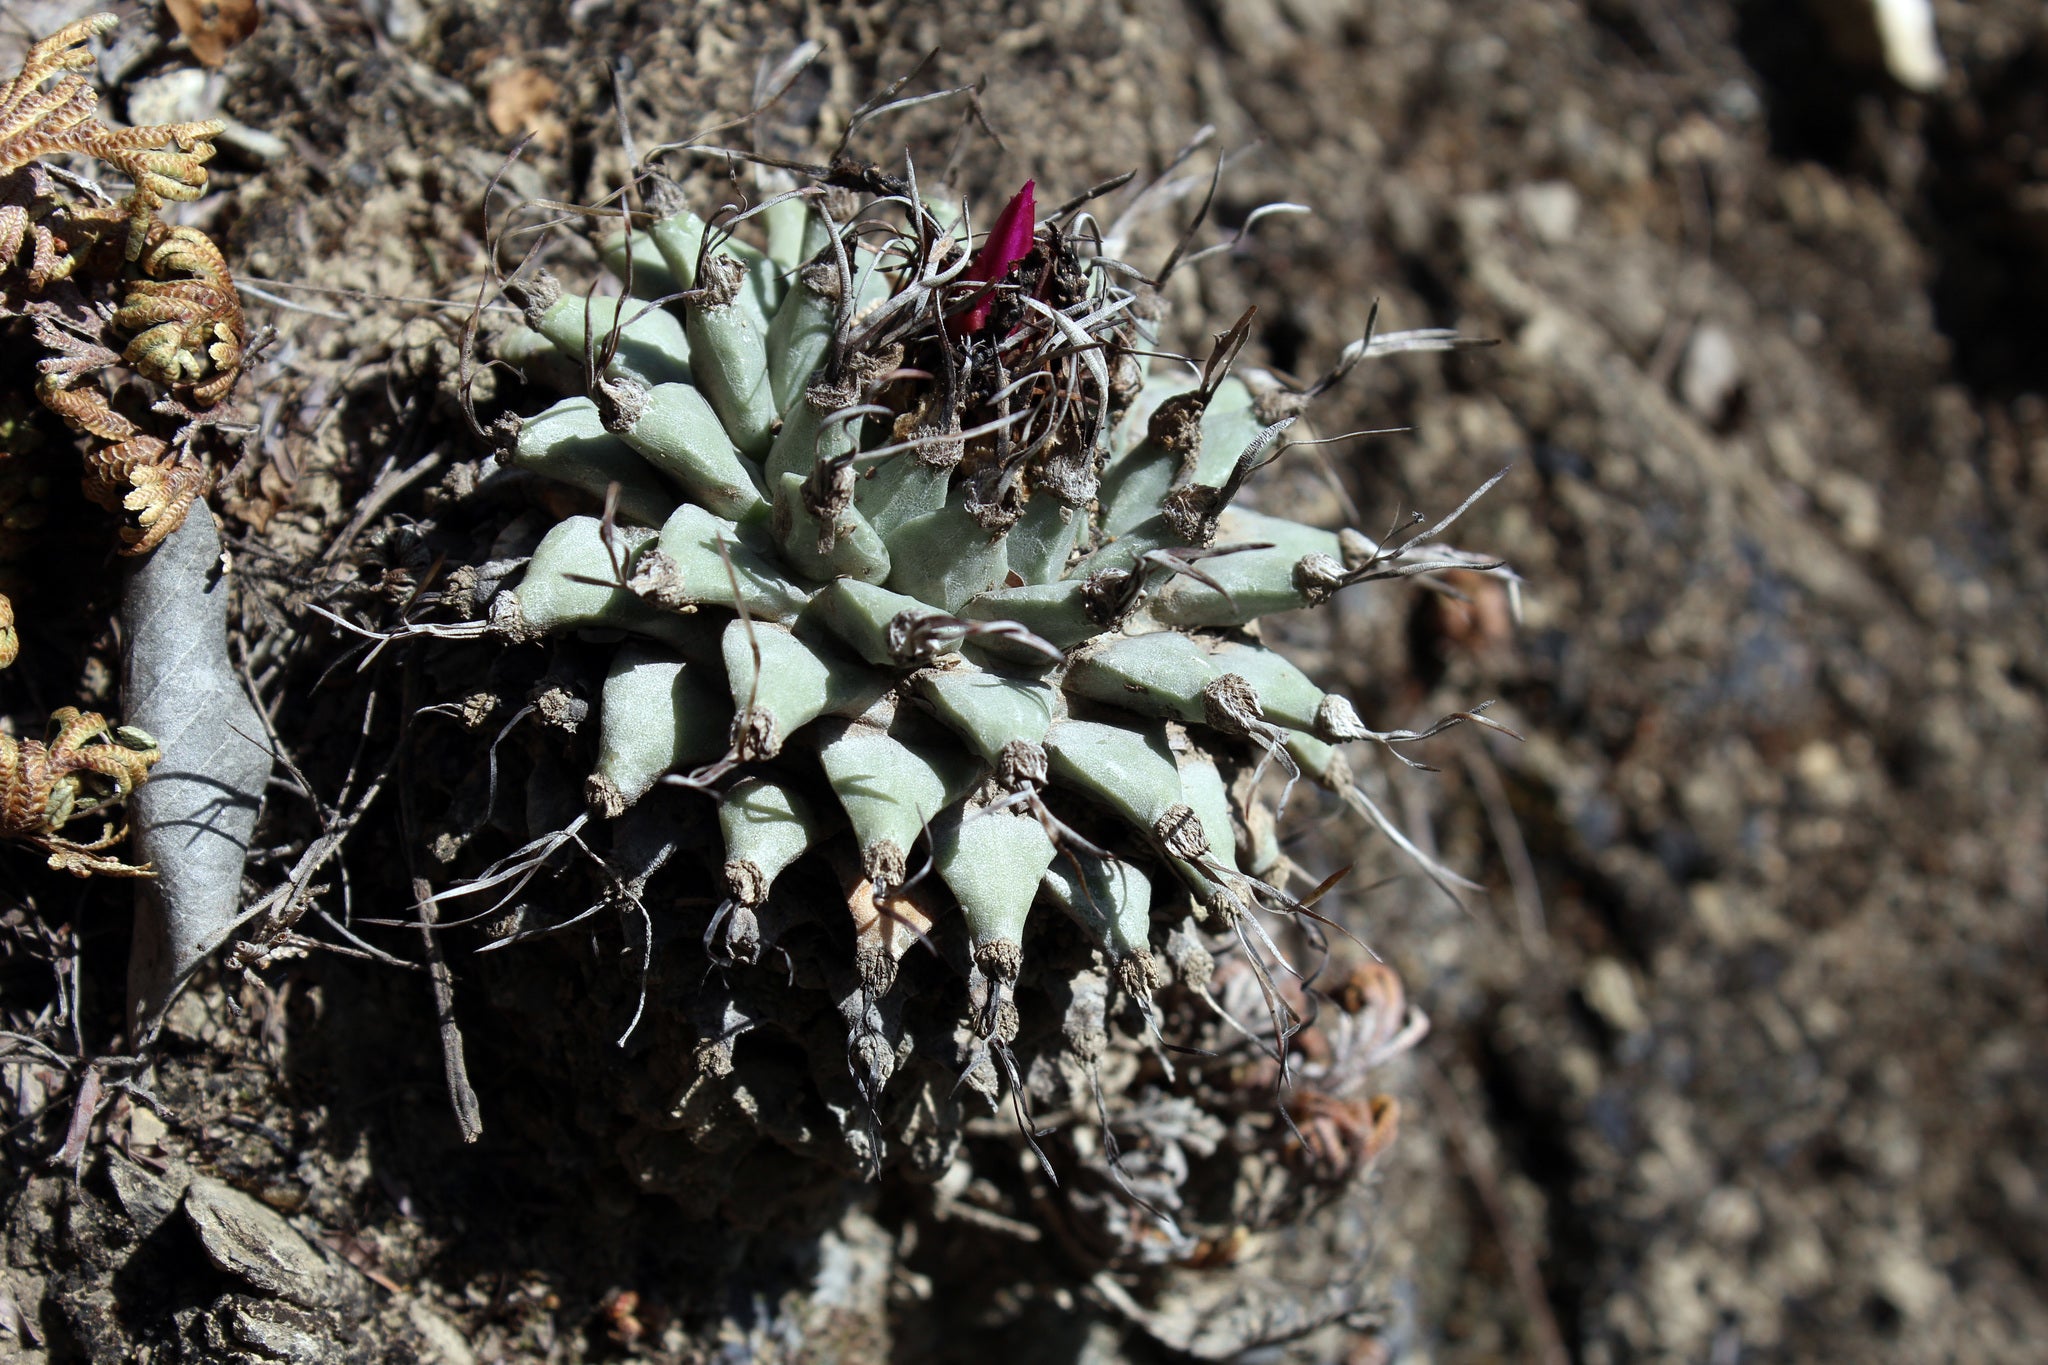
[928, 568]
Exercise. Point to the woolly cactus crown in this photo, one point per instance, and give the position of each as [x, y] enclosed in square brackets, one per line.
[927, 565]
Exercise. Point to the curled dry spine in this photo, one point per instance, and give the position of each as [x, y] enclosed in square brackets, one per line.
[168, 287]
[962, 567]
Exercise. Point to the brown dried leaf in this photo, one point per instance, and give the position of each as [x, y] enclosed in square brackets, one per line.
[519, 101]
[1477, 614]
[894, 927]
[211, 27]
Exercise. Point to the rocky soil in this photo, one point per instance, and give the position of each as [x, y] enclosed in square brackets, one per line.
[1730, 1063]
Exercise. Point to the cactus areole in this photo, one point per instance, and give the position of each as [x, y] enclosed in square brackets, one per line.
[928, 565]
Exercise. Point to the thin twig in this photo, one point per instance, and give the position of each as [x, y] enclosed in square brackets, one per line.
[469, 1118]
[1514, 850]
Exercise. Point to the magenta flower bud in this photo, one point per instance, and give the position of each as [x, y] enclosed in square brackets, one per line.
[1008, 243]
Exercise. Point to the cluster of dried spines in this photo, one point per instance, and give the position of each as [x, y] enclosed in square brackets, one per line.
[92, 270]
[927, 570]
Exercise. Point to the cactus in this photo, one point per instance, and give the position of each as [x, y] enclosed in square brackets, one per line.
[928, 571]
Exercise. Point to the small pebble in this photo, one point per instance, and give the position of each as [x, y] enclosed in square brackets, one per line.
[1711, 372]
[254, 144]
[1550, 209]
[183, 96]
[251, 1242]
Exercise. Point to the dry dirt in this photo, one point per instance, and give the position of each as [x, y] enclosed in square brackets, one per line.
[1731, 1064]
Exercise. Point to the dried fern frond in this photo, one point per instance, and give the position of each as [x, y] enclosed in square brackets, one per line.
[161, 492]
[165, 162]
[32, 117]
[186, 316]
[125, 273]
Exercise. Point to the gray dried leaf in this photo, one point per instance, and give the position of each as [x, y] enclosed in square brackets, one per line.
[193, 819]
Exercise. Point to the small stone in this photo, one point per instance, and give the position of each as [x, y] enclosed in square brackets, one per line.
[1823, 777]
[148, 1198]
[254, 144]
[444, 1340]
[1731, 1216]
[1911, 47]
[251, 1242]
[175, 97]
[1550, 209]
[404, 21]
[145, 1129]
[1914, 1286]
[1711, 372]
[278, 1332]
[1855, 505]
[189, 1021]
[1612, 995]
